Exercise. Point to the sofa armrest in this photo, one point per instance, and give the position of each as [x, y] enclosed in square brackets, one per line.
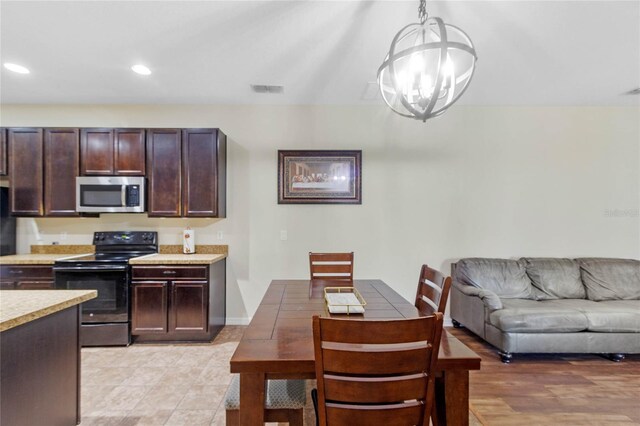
[489, 298]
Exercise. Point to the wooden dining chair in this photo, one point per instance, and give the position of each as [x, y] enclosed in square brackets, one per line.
[375, 372]
[433, 291]
[331, 266]
[284, 402]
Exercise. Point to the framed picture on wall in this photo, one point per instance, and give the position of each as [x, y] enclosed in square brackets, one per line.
[319, 177]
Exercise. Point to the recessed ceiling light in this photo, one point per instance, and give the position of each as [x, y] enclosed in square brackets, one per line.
[16, 68]
[141, 69]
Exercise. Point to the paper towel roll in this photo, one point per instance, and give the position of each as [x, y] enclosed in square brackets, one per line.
[188, 241]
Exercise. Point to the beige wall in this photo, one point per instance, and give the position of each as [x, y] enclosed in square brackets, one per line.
[478, 181]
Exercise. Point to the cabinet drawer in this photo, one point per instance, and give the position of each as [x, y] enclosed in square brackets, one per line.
[169, 272]
[20, 272]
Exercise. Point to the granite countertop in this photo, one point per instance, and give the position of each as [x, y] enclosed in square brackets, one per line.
[19, 307]
[34, 259]
[178, 259]
[169, 254]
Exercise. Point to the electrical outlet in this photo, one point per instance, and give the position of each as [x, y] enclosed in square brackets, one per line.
[220, 235]
[283, 235]
[63, 236]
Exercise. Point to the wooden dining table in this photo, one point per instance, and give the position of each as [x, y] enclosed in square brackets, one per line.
[278, 344]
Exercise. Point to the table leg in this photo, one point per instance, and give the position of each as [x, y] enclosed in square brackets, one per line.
[252, 398]
[452, 398]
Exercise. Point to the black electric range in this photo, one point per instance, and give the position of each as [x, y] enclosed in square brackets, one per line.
[106, 319]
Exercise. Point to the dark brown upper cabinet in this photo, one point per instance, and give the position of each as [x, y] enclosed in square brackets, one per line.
[25, 171]
[187, 172]
[164, 172]
[61, 166]
[204, 173]
[96, 148]
[111, 152]
[129, 152]
[3, 153]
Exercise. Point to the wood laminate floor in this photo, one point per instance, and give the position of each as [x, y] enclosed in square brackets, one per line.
[553, 389]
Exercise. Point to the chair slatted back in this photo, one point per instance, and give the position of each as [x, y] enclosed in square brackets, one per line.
[331, 266]
[433, 291]
[378, 372]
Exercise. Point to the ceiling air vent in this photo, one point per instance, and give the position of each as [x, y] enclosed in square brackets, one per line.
[633, 92]
[265, 88]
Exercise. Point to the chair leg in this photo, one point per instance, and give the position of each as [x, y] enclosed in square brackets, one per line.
[233, 417]
[434, 415]
[314, 398]
[296, 418]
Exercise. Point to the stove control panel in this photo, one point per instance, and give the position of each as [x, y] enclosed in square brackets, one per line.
[125, 238]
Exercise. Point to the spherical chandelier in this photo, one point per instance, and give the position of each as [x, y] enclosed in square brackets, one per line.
[428, 67]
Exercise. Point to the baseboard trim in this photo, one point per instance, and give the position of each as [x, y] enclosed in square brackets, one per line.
[238, 321]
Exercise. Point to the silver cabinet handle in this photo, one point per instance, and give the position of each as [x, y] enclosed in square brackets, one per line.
[14, 272]
[169, 272]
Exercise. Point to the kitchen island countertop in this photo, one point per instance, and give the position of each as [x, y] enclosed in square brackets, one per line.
[19, 307]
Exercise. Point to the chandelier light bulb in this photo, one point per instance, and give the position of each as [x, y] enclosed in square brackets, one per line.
[428, 67]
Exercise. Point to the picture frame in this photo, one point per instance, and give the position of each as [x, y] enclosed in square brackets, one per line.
[319, 177]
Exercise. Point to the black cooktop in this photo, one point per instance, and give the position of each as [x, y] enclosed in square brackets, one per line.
[105, 257]
[116, 248]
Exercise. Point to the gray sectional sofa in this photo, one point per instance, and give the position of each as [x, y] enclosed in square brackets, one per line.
[550, 305]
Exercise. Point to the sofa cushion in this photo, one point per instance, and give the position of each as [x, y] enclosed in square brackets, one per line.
[611, 279]
[539, 316]
[614, 316]
[505, 277]
[555, 278]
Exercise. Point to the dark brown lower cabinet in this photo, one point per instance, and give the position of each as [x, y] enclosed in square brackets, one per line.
[175, 303]
[26, 277]
[149, 307]
[188, 313]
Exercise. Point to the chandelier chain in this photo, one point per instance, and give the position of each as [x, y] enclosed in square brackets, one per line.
[422, 11]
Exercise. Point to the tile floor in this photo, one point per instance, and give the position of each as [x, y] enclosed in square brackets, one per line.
[158, 384]
[147, 384]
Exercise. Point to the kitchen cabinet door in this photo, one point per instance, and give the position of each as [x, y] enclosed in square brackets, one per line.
[204, 173]
[96, 150]
[3, 153]
[129, 152]
[61, 166]
[163, 171]
[149, 307]
[189, 302]
[25, 171]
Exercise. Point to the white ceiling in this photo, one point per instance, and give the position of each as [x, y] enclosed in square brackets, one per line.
[323, 52]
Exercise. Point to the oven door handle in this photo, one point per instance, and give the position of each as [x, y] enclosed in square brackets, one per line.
[110, 268]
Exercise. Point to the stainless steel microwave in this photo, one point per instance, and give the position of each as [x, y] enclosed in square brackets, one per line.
[110, 194]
